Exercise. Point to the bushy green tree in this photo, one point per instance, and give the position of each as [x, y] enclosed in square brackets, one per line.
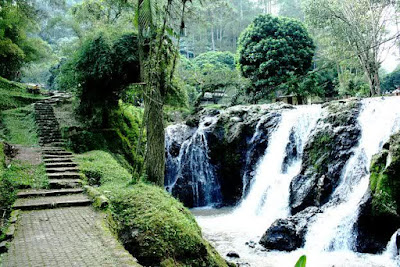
[391, 81]
[273, 50]
[99, 71]
[17, 20]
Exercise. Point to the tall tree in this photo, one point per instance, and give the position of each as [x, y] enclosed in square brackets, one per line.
[157, 26]
[359, 26]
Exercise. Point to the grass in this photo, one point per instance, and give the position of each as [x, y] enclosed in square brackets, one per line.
[19, 127]
[101, 168]
[26, 175]
[153, 226]
[16, 175]
[14, 95]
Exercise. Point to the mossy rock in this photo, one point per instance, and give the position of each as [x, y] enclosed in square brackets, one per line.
[158, 230]
[385, 179]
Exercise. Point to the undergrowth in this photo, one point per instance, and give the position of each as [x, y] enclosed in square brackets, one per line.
[14, 95]
[18, 126]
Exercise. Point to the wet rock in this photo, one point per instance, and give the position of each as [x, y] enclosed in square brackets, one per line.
[233, 254]
[288, 234]
[373, 230]
[325, 156]
[251, 244]
[380, 210]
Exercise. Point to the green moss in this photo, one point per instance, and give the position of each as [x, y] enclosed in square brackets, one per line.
[153, 226]
[156, 228]
[384, 180]
[104, 169]
[319, 151]
[19, 126]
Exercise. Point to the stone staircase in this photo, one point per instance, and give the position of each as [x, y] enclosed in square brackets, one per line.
[64, 188]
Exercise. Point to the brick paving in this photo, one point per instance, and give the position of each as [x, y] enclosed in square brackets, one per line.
[64, 237]
[60, 233]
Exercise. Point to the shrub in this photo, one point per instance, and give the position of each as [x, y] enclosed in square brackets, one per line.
[272, 50]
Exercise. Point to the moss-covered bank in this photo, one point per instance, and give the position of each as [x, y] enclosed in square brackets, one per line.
[14, 95]
[153, 226]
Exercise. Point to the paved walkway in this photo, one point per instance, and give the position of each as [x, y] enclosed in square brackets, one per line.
[64, 237]
[57, 226]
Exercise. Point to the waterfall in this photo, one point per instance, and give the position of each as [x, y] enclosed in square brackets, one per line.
[392, 251]
[192, 164]
[268, 196]
[333, 228]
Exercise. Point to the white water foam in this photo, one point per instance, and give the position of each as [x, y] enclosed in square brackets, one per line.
[333, 229]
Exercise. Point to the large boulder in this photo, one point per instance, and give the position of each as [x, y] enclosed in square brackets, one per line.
[325, 155]
[236, 140]
[380, 212]
[288, 234]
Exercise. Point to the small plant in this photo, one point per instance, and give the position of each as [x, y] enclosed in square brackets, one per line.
[301, 262]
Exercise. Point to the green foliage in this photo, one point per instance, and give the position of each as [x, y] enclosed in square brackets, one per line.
[217, 60]
[391, 81]
[99, 71]
[301, 262]
[19, 126]
[203, 74]
[159, 230]
[17, 20]
[7, 192]
[272, 50]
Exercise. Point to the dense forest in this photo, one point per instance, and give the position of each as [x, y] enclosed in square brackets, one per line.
[182, 98]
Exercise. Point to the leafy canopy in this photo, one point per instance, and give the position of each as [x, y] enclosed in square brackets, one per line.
[272, 50]
[17, 20]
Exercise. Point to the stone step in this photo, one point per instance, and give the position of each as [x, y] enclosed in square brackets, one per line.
[59, 192]
[61, 165]
[51, 202]
[64, 183]
[49, 154]
[50, 140]
[62, 170]
[56, 144]
[64, 175]
[59, 160]
[51, 149]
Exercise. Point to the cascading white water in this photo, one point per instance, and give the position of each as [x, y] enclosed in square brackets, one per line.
[268, 197]
[392, 250]
[230, 229]
[193, 160]
[333, 229]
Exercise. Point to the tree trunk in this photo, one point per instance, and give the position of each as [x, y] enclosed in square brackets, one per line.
[212, 38]
[374, 81]
[155, 153]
